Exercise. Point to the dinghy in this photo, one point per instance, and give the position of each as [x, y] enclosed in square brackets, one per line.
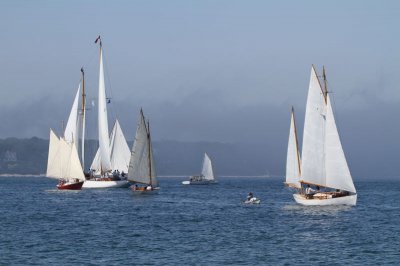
[323, 163]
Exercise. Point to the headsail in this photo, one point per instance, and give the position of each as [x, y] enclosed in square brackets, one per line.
[293, 171]
[207, 171]
[71, 130]
[53, 160]
[337, 171]
[63, 160]
[120, 153]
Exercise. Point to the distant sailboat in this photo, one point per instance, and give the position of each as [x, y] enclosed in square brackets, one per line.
[63, 160]
[141, 166]
[207, 174]
[323, 163]
[102, 176]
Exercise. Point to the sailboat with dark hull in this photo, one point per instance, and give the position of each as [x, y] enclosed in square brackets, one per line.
[141, 166]
[322, 176]
[63, 160]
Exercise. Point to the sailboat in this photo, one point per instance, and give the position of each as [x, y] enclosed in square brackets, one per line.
[105, 175]
[323, 163]
[63, 160]
[141, 166]
[207, 174]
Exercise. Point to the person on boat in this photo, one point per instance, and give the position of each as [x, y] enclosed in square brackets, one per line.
[309, 192]
[250, 196]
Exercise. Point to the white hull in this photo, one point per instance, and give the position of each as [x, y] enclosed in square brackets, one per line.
[346, 200]
[105, 184]
[203, 182]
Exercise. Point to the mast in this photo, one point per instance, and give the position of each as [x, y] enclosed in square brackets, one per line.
[149, 147]
[325, 84]
[83, 119]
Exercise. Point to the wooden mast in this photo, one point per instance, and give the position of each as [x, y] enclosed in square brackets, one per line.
[83, 119]
[149, 145]
[325, 84]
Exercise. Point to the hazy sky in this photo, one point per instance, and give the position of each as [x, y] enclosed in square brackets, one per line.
[204, 70]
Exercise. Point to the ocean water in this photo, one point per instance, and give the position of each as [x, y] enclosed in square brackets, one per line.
[194, 225]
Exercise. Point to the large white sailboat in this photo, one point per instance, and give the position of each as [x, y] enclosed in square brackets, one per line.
[141, 166]
[104, 175]
[63, 160]
[322, 176]
[207, 174]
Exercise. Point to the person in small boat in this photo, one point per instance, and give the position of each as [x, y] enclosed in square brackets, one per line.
[249, 196]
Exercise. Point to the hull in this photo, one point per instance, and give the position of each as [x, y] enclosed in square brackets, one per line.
[256, 201]
[144, 190]
[202, 182]
[70, 186]
[346, 200]
[106, 184]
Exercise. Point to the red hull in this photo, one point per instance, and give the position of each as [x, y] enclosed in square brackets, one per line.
[74, 186]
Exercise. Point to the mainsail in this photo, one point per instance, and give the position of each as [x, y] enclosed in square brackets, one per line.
[293, 172]
[104, 142]
[323, 159]
[313, 159]
[141, 165]
[207, 171]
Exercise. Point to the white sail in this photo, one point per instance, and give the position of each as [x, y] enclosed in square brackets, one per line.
[337, 171]
[53, 160]
[71, 165]
[141, 165]
[71, 130]
[120, 153]
[63, 160]
[104, 142]
[313, 153]
[207, 171]
[293, 172]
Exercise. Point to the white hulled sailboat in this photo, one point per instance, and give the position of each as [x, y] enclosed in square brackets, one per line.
[103, 176]
[141, 166]
[323, 163]
[207, 174]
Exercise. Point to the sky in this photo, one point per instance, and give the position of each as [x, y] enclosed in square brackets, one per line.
[225, 71]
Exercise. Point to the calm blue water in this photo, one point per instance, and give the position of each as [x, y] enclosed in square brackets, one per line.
[194, 225]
